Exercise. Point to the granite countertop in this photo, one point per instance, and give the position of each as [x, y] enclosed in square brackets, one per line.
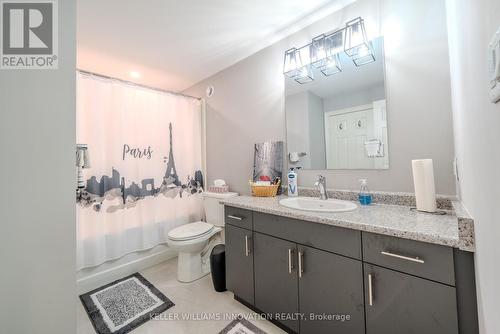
[393, 220]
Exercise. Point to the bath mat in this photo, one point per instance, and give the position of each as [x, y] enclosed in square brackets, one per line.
[241, 326]
[121, 306]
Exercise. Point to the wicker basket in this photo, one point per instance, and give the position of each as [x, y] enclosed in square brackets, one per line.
[264, 191]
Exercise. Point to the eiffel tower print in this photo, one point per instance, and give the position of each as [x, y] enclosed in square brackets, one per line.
[171, 179]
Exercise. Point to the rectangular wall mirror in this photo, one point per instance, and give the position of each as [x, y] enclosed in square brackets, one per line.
[339, 121]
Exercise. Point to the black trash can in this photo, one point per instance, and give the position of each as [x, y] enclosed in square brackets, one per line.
[218, 267]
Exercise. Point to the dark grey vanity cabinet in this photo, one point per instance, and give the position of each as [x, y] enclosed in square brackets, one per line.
[239, 262]
[309, 277]
[276, 279]
[330, 285]
[398, 303]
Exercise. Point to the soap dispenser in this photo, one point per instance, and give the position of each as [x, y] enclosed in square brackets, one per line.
[365, 198]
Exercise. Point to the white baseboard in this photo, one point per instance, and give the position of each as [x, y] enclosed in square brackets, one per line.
[96, 277]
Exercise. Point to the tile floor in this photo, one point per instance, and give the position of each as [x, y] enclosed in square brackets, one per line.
[191, 299]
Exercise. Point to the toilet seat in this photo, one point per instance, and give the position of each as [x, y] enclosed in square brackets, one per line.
[190, 231]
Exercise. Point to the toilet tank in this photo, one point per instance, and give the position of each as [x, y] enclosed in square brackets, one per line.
[214, 211]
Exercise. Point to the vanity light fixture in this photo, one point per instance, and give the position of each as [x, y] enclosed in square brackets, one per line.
[365, 55]
[305, 72]
[323, 53]
[319, 50]
[335, 43]
[292, 63]
[305, 75]
[356, 44]
[332, 66]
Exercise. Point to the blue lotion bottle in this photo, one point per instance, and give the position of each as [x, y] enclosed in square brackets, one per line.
[365, 198]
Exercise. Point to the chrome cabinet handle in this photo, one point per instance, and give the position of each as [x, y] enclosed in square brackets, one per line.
[370, 290]
[235, 217]
[247, 247]
[407, 258]
[301, 264]
[290, 260]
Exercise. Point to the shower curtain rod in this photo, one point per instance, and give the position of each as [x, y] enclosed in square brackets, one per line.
[135, 84]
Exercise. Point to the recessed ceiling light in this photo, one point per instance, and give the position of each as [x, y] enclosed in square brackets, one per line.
[135, 74]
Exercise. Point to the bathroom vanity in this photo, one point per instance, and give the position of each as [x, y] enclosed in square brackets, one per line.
[381, 269]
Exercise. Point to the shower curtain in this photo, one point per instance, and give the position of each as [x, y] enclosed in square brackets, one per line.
[145, 167]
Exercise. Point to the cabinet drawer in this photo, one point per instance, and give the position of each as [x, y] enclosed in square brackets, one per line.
[238, 217]
[330, 238]
[421, 259]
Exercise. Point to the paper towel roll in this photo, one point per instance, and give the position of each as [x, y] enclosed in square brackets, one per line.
[423, 180]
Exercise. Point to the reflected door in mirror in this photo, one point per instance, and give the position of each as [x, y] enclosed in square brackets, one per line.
[350, 131]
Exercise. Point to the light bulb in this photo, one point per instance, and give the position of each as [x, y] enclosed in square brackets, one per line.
[363, 51]
[135, 74]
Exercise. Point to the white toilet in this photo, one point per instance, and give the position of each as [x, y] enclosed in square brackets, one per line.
[195, 241]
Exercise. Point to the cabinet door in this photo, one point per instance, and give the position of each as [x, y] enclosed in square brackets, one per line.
[330, 289]
[276, 279]
[239, 262]
[398, 303]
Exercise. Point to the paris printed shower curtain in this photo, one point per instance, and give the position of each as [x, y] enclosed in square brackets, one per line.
[145, 167]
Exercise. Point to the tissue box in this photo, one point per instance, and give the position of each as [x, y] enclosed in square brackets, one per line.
[218, 189]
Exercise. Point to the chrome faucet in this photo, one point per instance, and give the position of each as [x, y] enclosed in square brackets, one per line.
[321, 184]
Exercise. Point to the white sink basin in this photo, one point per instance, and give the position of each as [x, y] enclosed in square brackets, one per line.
[318, 205]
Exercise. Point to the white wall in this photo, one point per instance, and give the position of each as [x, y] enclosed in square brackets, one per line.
[477, 136]
[248, 105]
[317, 146]
[37, 201]
[297, 120]
[304, 120]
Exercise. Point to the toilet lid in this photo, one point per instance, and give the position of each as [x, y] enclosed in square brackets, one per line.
[190, 231]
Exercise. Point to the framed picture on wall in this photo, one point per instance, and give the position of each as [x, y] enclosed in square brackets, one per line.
[268, 161]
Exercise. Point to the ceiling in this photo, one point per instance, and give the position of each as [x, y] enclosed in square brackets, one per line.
[173, 44]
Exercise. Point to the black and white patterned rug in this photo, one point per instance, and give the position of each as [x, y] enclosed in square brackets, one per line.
[121, 306]
[241, 326]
